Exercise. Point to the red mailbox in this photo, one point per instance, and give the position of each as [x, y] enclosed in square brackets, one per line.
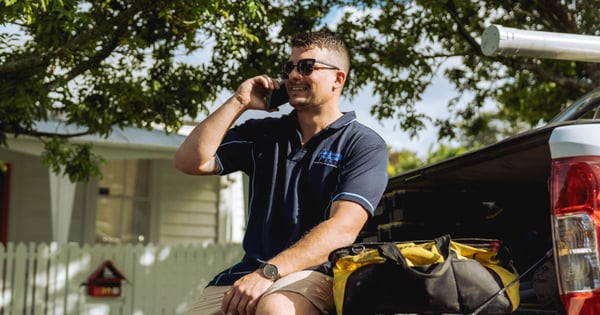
[105, 281]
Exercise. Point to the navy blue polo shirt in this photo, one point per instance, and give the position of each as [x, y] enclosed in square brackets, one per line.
[292, 187]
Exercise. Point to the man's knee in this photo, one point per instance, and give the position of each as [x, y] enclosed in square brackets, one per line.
[283, 302]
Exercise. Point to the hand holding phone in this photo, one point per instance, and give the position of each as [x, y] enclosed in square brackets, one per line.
[276, 98]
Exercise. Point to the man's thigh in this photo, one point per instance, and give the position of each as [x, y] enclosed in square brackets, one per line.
[209, 301]
[315, 286]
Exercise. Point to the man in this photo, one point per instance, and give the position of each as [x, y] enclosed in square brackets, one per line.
[316, 175]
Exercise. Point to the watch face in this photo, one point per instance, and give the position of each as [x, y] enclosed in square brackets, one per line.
[270, 271]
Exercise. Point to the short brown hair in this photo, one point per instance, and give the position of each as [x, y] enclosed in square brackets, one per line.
[327, 41]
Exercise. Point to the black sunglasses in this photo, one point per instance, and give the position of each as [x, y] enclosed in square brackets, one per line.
[304, 66]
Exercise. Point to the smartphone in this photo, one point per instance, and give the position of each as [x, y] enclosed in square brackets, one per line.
[276, 98]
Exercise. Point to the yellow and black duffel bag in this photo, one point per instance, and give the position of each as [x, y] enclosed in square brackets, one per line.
[446, 276]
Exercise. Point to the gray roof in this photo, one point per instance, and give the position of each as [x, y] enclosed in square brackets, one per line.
[127, 136]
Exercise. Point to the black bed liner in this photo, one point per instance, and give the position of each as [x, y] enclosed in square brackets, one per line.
[524, 158]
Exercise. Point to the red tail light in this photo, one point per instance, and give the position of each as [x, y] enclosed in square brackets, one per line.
[575, 196]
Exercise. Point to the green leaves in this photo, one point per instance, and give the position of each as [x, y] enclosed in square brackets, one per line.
[73, 160]
[101, 64]
[110, 64]
[411, 42]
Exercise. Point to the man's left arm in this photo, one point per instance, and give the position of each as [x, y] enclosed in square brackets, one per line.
[364, 179]
[341, 229]
[345, 222]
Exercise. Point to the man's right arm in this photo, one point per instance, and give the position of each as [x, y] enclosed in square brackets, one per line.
[196, 155]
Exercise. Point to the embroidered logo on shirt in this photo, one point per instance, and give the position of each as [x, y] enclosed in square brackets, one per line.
[328, 158]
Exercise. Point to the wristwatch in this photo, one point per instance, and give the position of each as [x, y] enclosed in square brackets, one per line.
[270, 271]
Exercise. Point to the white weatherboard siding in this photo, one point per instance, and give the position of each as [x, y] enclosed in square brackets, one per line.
[188, 207]
[29, 198]
[183, 208]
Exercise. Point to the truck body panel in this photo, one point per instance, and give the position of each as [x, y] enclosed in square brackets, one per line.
[503, 191]
[538, 191]
[575, 140]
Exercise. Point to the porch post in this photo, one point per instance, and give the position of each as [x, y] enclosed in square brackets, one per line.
[232, 218]
[62, 196]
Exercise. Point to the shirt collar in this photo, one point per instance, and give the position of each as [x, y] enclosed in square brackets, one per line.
[341, 122]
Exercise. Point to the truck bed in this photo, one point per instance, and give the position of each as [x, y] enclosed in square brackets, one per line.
[499, 191]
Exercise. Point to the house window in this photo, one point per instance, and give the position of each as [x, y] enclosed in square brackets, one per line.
[123, 210]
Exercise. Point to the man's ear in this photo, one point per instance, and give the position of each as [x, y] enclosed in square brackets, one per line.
[340, 79]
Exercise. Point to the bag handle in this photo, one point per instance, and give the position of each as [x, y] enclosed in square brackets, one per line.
[390, 252]
[538, 263]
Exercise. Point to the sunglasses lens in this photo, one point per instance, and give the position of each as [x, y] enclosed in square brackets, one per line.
[305, 66]
[287, 67]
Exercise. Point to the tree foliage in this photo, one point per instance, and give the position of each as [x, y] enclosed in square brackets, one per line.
[107, 64]
[113, 63]
[405, 44]
[402, 161]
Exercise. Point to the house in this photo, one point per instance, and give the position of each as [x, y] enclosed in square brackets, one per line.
[140, 199]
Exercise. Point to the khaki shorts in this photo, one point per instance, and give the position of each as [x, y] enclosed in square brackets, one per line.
[313, 285]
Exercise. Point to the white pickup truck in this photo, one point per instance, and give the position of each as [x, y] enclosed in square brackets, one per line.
[538, 192]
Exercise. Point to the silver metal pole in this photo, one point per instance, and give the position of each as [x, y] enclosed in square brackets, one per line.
[506, 41]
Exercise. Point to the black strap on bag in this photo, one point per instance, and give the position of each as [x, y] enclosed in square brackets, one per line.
[542, 260]
[391, 252]
[442, 287]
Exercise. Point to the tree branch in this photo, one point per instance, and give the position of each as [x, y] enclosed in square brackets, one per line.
[93, 61]
[449, 55]
[74, 44]
[40, 134]
[574, 82]
[451, 8]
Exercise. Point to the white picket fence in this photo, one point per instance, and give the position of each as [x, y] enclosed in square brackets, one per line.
[47, 278]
